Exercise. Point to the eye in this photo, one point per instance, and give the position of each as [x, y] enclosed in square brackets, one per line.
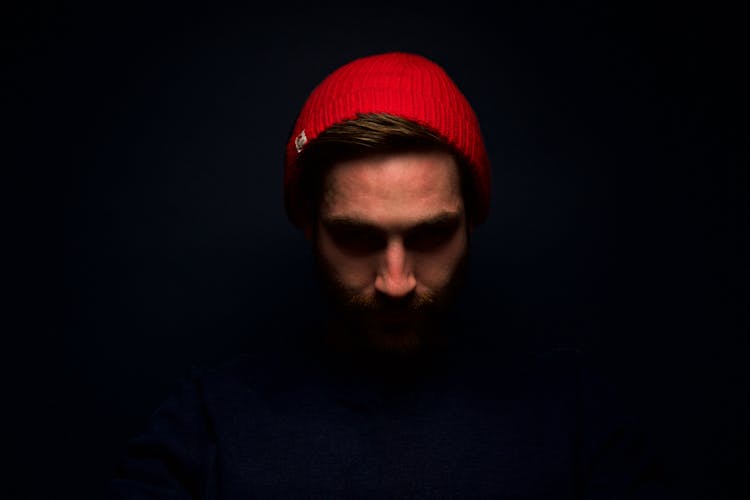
[430, 237]
[357, 240]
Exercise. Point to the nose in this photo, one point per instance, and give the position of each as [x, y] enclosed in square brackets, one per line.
[395, 276]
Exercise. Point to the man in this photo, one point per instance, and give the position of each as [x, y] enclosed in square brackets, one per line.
[391, 395]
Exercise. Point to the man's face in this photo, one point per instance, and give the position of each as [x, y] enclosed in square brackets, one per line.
[391, 247]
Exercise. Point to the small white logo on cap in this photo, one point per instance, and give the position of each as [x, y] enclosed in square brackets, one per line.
[300, 141]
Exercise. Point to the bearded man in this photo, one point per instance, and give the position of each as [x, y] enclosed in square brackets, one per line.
[387, 175]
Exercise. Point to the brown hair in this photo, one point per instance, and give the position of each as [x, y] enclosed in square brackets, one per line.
[369, 134]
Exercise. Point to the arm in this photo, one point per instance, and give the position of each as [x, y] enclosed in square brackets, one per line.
[619, 459]
[173, 458]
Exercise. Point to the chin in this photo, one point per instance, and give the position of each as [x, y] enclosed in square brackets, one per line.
[399, 339]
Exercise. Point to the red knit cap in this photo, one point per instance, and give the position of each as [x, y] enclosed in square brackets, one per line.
[401, 84]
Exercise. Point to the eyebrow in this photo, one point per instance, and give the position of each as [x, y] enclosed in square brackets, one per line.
[343, 222]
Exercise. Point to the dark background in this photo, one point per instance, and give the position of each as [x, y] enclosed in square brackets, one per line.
[152, 236]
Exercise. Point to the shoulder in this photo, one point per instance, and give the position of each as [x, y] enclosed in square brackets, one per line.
[176, 452]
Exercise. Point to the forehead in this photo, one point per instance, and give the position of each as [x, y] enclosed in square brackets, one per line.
[393, 188]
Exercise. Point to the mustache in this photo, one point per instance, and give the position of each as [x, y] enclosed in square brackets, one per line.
[348, 301]
[389, 306]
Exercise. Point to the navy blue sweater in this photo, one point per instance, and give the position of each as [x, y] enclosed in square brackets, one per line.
[471, 422]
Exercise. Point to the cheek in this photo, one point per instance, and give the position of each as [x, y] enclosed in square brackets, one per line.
[435, 269]
[354, 273]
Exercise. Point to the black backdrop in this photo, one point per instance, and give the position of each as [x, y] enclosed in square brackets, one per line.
[153, 236]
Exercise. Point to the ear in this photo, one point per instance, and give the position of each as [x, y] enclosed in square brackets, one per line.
[308, 228]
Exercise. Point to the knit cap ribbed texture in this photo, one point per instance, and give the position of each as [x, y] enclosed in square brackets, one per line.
[402, 84]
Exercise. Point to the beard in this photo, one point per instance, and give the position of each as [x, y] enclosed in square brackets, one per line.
[378, 327]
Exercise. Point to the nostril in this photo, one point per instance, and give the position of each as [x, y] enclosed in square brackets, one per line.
[395, 286]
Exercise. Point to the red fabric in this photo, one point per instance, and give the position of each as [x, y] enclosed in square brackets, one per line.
[401, 84]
